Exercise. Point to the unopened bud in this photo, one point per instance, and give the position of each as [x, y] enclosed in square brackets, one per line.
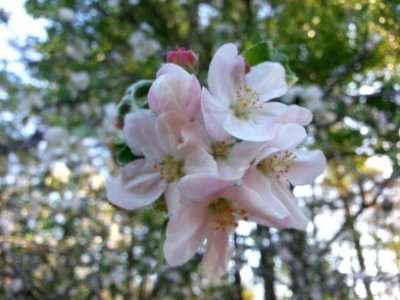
[184, 58]
[246, 67]
[118, 123]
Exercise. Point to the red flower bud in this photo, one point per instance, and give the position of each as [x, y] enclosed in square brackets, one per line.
[246, 67]
[184, 58]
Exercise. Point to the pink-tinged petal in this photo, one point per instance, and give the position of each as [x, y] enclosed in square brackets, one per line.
[172, 69]
[239, 159]
[271, 191]
[199, 161]
[194, 134]
[250, 130]
[217, 255]
[175, 90]
[226, 74]
[214, 114]
[192, 107]
[168, 128]
[271, 211]
[173, 197]
[138, 185]
[296, 114]
[199, 187]
[140, 135]
[186, 230]
[268, 79]
[261, 125]
[288, 136]
[297, 218]
[307, 166]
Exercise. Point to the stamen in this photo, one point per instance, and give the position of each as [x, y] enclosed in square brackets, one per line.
[225, 214]
[221, 149]
[277, 164]
[170, 169]
[247, 100]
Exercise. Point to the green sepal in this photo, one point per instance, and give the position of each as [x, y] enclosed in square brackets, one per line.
[125, 156]
[265, 51]
[123, 153]
[135, 99]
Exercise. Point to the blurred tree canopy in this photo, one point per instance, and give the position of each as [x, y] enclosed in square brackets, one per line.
[61, 239]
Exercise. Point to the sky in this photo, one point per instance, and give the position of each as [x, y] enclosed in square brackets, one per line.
[20, 25]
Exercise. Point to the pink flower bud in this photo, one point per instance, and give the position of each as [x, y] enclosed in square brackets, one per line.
[247, 67]
[184, 58]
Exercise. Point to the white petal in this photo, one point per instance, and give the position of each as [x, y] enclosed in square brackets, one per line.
[255, 206]
[186, 230]
[225, 74]
[250, 130]
[199, 187]
[307, 166]
[173, 197]
[175, 90]
[138, 185]
[217, 255]
[168, 129]
[297, 219]
[296, 114]
[214, 114]
[140, 135]
[199, 161]
[288, 136]
[268, 79]
[194, 134]
[239, 159]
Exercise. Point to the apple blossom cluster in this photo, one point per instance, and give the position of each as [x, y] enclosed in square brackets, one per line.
[216, 155]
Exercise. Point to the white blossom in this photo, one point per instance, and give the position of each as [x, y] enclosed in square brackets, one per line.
[77, 50]
[66, 14]
[80, 80]
[142, 46]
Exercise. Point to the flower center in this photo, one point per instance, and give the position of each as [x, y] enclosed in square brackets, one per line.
[277, 164]
[225, 213]
[247, 100]
[171, 169]
[220, 150]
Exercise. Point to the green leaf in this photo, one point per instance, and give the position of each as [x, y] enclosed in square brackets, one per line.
[265, 51]
[125, 155]
[135, 99]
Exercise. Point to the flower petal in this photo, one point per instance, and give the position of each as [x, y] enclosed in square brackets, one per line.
[199, 186]
[296, 114]
[173, 197]
[168, 130]
[214, 114]
[138, 185]
[140, 135]
[297, 219]
[271, 211]
[250, 130]
[199, 161]
[186, 230]
[268, 79]
[287, 136]
[239, 159]
[175, 90]
[307, 166]
[226, 73]
[217, 255]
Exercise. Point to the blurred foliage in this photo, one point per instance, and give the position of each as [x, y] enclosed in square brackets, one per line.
[60, 238]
